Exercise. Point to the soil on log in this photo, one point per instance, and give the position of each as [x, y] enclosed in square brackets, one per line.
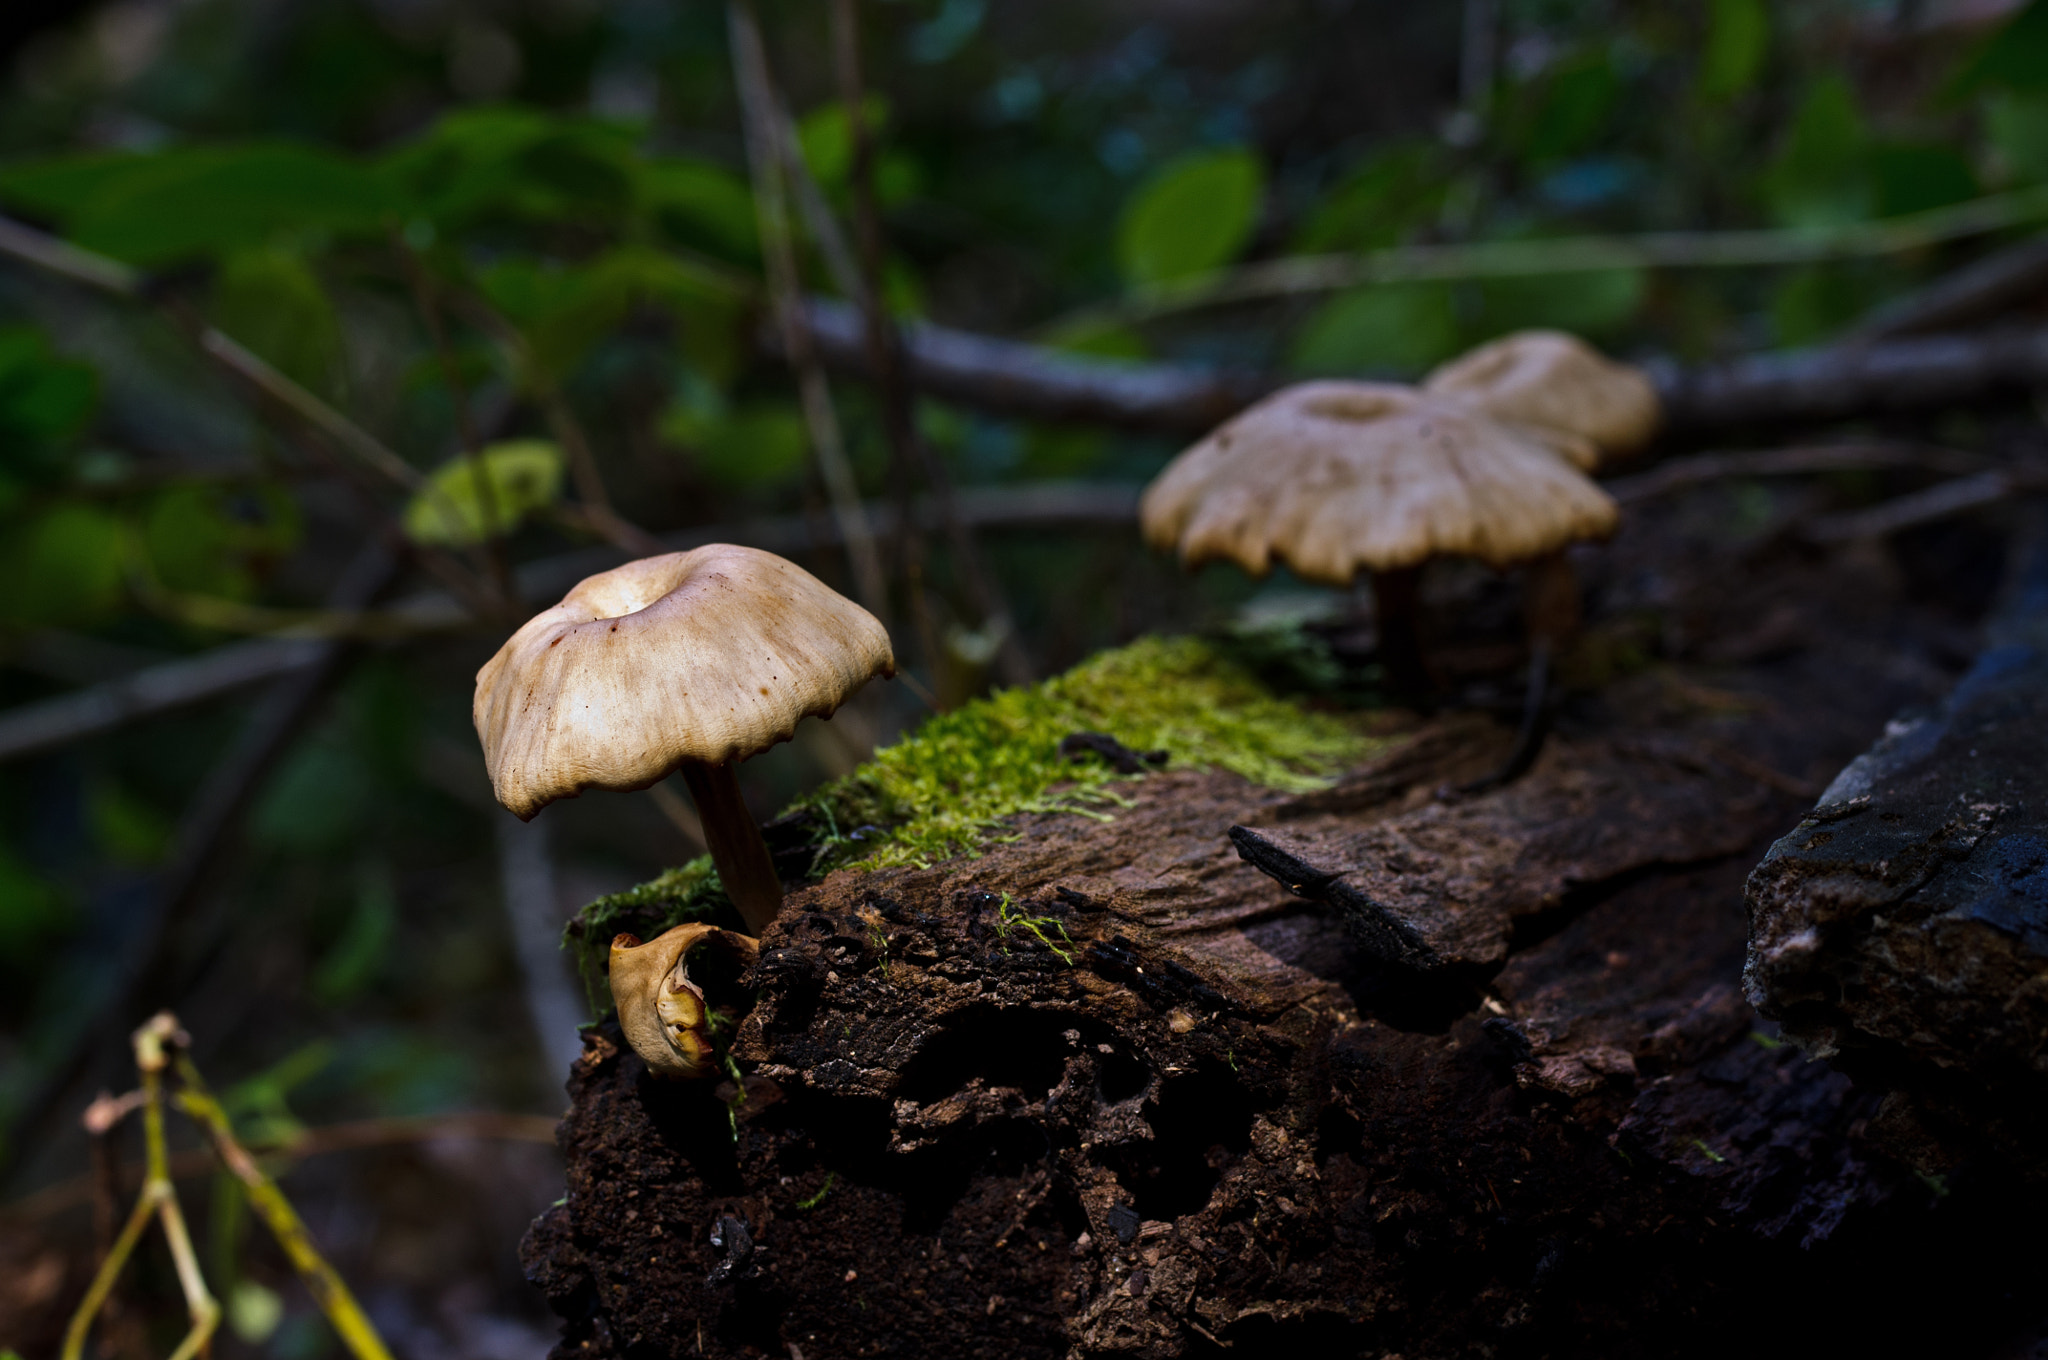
[1471, 1075]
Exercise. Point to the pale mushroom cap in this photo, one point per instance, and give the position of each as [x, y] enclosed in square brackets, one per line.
[1557, 382]
[711, 655]
[1329, 477]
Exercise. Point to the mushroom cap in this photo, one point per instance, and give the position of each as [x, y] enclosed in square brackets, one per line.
[1329, 477]
[661, 1011]
[711, 655]
[1557, 382]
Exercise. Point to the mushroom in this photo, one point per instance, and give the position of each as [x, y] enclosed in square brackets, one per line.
[1586, 403]
[662, 1010]
[691, 661]
[1329, 477]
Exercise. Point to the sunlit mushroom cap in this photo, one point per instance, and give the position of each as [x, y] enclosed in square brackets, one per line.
[1557, 382]
[711, 655]
[1329, 477]
[661, 1010]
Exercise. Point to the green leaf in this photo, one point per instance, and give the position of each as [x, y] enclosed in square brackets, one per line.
[218, 199]
[1912, 177]
[1378, 204]
[506, 162]
[2017, 127]
[128, 830]
[211, 540]
[522, 475]
[272, 302]
[1591, 303]
[45, 401]
[319, 801]
[566, 311]
[32, 913]
[1822, 175]
[1573, 108]
[2013, 58]
[58, 186]
[352, 962]
[1191, 216]
[826, 136]
[702, 204]
[1389, 327]
[63, 568]
[1738, 38]
[757, 445]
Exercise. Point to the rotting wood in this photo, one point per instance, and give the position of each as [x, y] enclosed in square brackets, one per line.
[1193, 1111]
[1901, 929]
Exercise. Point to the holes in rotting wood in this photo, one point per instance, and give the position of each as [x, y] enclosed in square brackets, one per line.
[1023, 1049]
[1202, 1123]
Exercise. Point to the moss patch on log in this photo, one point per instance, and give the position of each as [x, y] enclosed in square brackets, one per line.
[946, 789]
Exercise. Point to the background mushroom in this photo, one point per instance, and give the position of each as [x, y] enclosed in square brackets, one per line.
[690, 661]
[1586, 404]
[1331, 477]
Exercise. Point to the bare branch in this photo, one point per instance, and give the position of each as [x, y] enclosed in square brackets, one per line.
[1967, 297]
[1679, 473]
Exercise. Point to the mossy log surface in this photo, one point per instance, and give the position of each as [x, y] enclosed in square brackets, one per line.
[1470, 1076]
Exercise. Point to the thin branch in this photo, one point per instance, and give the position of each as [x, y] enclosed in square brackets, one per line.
[1939, 501]
[750, 73]
[357, 1332]
[1306, 275]
[142, 973]
[1967, 297]
[353, 1136]
[429, 307]
[29, 728]
[597, 502]
[1679, 473]
[885, 358]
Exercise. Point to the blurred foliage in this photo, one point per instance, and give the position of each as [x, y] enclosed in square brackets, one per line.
[469, 500]
[493, 225]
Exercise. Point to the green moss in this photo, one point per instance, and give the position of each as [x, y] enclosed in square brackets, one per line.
[946, 789]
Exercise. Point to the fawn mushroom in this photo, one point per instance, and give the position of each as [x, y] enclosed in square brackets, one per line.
[1329, 477]
[692, 660]
[1587, 404]
[662, 1010]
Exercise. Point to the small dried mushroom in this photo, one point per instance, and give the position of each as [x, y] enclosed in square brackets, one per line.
[692, 661]
[1586, 404]
[662, 1009]
[1334, 477]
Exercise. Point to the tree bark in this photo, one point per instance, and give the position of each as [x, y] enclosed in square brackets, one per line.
[1390, 1070]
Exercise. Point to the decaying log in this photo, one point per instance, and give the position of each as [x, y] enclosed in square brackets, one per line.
[1109, 1089]
[1901, 930]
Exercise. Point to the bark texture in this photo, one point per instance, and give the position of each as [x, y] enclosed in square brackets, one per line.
[1901, 929]
[1376, 1069]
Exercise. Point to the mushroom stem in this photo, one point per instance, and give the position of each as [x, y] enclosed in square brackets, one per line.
[744, 866]
[1550, 601]
[1396, 614]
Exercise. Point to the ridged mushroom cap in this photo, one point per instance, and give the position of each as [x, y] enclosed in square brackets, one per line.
[1556, 382]
[711, 655]
[1329, 477]
[661, 1010]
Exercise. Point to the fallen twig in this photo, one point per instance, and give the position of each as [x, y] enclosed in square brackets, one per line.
[1939, 501]
[1679, 473]
[766, 161]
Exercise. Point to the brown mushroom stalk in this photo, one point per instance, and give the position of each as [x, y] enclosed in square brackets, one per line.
[745, 867]
[1397, 621]
[662, 1009]
[693, 660]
